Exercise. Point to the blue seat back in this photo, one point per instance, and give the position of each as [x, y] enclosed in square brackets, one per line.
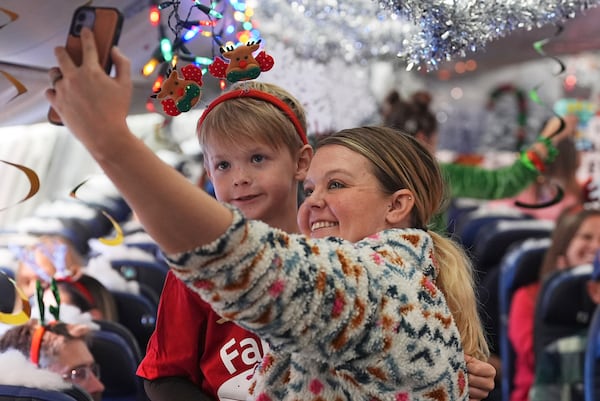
[563, 308]
[148, 273]
[22, 393]
[138, 314]
[467, 231]
[118, 364]
[591, 370]
[495, 239]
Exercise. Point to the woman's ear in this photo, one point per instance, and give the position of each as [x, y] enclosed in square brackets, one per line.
[400, 209]
[304, 157]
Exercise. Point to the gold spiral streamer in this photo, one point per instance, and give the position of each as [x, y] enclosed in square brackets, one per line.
[118, 239]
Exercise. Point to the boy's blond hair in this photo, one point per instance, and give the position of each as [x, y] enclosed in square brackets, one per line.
[255, 119]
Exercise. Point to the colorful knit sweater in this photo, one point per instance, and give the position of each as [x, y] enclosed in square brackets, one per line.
[345, 321]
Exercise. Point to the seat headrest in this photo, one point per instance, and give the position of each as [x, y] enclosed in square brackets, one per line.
[564, 300]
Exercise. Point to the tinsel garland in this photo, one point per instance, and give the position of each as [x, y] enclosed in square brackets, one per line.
[424, 33]
[450, 28]
[353, 31]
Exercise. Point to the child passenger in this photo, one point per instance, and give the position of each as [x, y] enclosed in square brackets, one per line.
[351, 318]
[255, 162]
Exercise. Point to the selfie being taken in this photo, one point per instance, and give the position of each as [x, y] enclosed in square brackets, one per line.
[280, 200]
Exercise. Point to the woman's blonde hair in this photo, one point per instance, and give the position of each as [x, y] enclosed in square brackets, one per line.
[254, 119]
[400, 162]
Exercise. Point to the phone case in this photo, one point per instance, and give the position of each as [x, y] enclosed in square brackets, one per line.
[105, 23]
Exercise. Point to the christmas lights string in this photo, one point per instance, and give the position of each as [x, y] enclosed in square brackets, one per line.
[220, 25]
[169, 50]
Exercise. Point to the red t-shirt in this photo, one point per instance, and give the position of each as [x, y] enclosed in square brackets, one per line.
[192, 341]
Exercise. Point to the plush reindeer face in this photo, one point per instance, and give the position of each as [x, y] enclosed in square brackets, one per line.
[179, 94]
[241, 58]
[243, 65]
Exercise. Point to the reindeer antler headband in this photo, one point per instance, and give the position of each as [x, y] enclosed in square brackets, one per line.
[260, 95]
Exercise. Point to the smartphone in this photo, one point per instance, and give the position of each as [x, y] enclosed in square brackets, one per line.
[105, 23]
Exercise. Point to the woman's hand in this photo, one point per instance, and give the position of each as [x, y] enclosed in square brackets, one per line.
[481, 378]
[91, 104]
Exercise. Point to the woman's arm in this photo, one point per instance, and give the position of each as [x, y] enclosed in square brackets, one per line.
[94, 106]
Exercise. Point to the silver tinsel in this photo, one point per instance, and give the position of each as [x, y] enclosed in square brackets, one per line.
[421, 32]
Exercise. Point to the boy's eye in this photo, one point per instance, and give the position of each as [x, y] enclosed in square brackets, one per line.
[308, 192]
[257, 158]
[222, 165]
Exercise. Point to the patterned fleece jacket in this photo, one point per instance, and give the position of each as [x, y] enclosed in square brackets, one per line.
[345, 321]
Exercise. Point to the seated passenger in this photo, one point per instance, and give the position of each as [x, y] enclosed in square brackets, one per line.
[60, 348]
[559, 372]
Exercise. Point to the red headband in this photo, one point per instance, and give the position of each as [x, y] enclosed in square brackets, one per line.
[256, 94]
[36, 344]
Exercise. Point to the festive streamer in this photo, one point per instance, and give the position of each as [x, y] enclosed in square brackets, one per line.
[12, 16]
[16, 83]
[558, 196]
[118, 239]
[539, 48]
[533, 94]
[34, 182]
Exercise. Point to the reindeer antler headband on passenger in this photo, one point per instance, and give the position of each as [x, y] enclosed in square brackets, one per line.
[38, 334]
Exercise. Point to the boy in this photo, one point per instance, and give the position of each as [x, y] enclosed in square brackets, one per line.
[255, 161]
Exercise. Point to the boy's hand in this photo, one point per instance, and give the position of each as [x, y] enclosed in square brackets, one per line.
[481, 378]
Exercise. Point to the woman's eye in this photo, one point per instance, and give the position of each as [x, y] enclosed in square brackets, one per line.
[335, 185]
[257, 158]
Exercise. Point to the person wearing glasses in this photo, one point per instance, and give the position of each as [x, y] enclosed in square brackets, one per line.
[60, 348]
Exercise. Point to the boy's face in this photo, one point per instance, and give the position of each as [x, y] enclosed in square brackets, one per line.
[255, 177]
